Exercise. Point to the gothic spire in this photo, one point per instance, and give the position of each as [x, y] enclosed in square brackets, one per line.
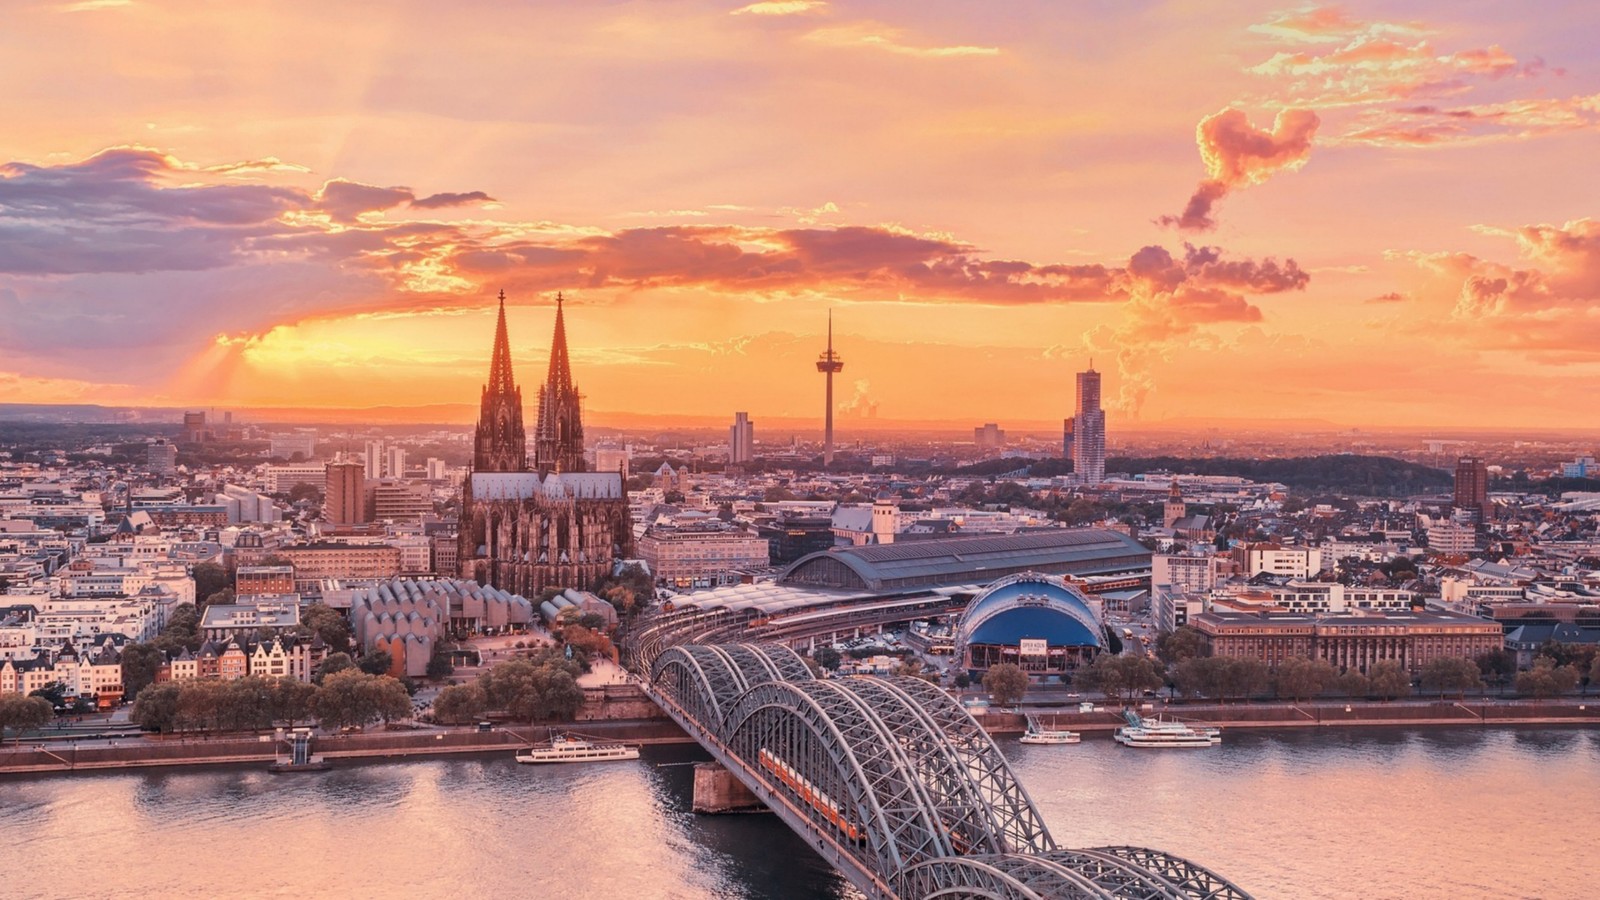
[500, 444]
[500, 377]
[558, 432]
[560, 377]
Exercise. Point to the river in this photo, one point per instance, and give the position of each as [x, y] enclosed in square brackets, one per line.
[1332, 813]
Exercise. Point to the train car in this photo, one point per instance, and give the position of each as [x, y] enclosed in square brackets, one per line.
[812, 795]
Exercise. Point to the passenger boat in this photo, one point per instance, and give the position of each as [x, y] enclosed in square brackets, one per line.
[565, 748]
[1142, 732]
[1038, 734]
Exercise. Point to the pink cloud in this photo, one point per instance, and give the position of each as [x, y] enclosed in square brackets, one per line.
[1236, 153]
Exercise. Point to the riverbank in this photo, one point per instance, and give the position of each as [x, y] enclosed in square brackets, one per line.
[1406, 713]
[150, 751]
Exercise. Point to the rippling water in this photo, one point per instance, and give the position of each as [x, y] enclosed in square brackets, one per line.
[1324, 814]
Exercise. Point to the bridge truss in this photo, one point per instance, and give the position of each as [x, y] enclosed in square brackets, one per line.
[893, 782]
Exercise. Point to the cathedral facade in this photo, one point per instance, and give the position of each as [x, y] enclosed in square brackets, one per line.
[549, 523]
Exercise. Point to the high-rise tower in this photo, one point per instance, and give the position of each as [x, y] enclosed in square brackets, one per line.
[1089, 430]
[500, 444]
[1472, 488]
[741, 439]
[829, 363]
[558, 432]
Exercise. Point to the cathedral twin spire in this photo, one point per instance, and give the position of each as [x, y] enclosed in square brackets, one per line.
[500, 444]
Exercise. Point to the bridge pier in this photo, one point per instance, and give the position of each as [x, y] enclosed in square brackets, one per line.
[717, 791]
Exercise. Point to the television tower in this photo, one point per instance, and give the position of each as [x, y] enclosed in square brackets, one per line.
[829, 363]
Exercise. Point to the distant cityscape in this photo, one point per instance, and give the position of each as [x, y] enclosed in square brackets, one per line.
[101, 536]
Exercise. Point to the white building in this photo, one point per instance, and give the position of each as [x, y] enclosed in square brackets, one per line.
[1291, 562]
[281, 479]
[285, 446]
[1186, 572]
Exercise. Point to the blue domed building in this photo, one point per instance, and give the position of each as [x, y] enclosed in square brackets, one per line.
[1038, 622]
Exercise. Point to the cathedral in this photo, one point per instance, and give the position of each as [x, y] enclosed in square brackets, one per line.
[551, 523]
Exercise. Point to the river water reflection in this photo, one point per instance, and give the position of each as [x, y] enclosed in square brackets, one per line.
[1307, 814]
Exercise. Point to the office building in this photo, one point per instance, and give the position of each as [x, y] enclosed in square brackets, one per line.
[989, 436]
[346, 494]
[1349, 643]
[287, 446]
[396, 463]
[394, 500]
[1089, 431]
[1472, 488]
[741, 439]
[161, 458]
[374, 459]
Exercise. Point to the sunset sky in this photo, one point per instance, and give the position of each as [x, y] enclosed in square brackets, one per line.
[1373, 214]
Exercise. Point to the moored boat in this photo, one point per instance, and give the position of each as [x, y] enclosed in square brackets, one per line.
[571, 748]
[1038, 734]
[1142, 732]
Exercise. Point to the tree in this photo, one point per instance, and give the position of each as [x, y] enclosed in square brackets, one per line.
[1122, 677]
[209, 578]
[23, 714]
[182, 629]
[586, 642]
[54, 693]
[562, 696]
[200, 705]
[325, 622]
[305, 491]
[1006, 684]
[1451, 674]
[459, 703]
[962, 681]
[1300, 679]
[1185, 642]
[531, 689]
[1388, 679]
[592, 621]
[351, 697]
[827, 657]
[1354, 684]
[439, 665]
[1546, 679]
[223, 597]
[292, 701]
[140, 663]
[157, 707]
[376, 662]
[333, 662]
[1594, 669]
[246, 704]
[1244, 678]
[1498, 666]
[623, 598]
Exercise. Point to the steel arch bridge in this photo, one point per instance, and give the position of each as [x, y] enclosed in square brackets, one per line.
[890, 779]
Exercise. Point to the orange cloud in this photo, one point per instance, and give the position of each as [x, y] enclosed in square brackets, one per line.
[1237, 153]
[1548, 306]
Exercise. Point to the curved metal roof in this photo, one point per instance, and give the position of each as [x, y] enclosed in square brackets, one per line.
[1030, 606]
[964, 560]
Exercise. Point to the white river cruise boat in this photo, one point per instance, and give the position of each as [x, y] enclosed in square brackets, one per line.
[1038, 734]
[571, 748]
[1142, 732]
